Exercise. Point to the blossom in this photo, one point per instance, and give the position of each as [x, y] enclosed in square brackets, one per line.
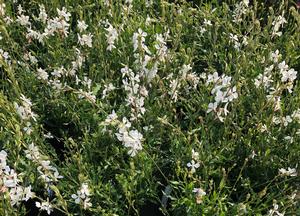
[42, 74]
[111, 36]
[195, 155]
[23, 20]
[207, 22]
[193, 165]
[222, 94]
[3, 156]
[58, 72]
[108, 88]
[286, 120]
[85, 39]
[275, 211]
[27, 193]
[277, 23]
[288, 172]
[32, 152]
[139, 39]
[15, 194]
[131, 140]
[42, 15]
[200, 193]
[81, 25]
[24, 110]
[2, 9]
[289, 75]
[82, 196]
[275, 56]
[46, 206]
[88, 95]
[63, 13]
[111, 117]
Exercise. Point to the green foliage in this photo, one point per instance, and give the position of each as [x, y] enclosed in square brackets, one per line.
[117, 119]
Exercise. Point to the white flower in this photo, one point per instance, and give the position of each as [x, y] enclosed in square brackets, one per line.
[85, 39]
[2, 9]
[88, 95]
[76, 197]
[23, 20]
[286, 120]
[195, 155]
[296, 115]
[33, 152]
[277, 23]
[86, 203]
[82, 196]
[202, 30]
[275, 56]
[289, 172]
[111, 36]
[81, 25]
[85, 189]
[20, 9]
[42, 15]
[207, 22]
[212, 107]
[11, 180]
[274, 211]
[193, 165]
[42, 74]
[24, 111]
[200, 193]
[46, 206]
[139, 39]
[289, 75]
[57, 73]
[3, 156]
[27, 193]
[108, 88]
[131, 140]
[63, 13]
[16, 195]
[246, 2]
[111, 117]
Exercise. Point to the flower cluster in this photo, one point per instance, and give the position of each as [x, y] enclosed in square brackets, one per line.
[131, 138]
[161, 46]
[136, 92]
[200, 193]
[194, 164]
[277, 23]
[240, 9]
[48, 173]
[112, 36]
[45, 206]
[138, 40]
[85, 39]
[185, 77]
[58, 24]
[83, 196]
[223, 94]
[10, 182]
[288, 172]
[5, 56]
[24, 110]
[274, 211]
[266, 79]
[287, 75]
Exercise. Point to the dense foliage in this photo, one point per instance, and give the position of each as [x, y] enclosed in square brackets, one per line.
[149, 107]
